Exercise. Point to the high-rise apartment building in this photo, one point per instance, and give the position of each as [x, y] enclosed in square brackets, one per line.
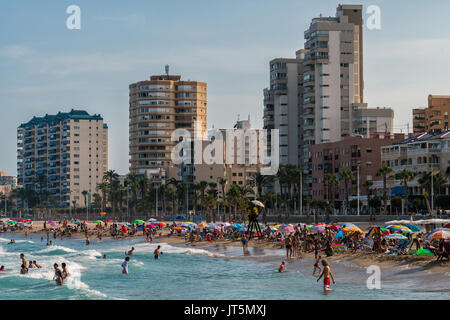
[69, 150]
[281, 106]
[324, 101]
[434, 118]
[158, 107]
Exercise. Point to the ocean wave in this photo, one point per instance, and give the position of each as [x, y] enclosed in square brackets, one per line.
[56, 249]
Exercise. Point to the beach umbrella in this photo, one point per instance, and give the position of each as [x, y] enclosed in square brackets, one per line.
[270, 227]
[441, 234]
[437, 230]
[78, 223]
[12, 222]
[138, 221]
[258, 203]
[161, 224]
[152, 220]
[396, 236]
[52, 223]
[398, 228]
[108, 220]
[447, 226]
[22, 220]
[182, 224]
[127, 224]
[334, 227]
[150, 226]
[372, 230]
[318, 227]
[98, 221]
[181, 218]
[103, 213]
[203, 224]
[413, 227]
[351, 229]
[286, 228]
[348, 224]
[5, 219]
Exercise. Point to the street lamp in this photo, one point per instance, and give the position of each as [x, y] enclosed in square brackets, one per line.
[357, 183]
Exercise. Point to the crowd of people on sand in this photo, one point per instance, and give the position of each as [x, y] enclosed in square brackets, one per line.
[322, 240]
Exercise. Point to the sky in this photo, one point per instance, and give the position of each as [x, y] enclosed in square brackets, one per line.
[47, 68]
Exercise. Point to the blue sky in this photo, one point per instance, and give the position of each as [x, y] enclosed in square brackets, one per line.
[46, 68]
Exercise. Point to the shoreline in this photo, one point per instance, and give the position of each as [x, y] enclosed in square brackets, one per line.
[360, 258]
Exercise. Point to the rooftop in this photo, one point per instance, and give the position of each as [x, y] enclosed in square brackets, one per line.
[73, 114]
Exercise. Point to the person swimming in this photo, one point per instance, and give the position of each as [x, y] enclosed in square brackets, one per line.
[2, 268]
[37, 265]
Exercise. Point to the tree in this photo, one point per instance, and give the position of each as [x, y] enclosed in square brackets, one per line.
[384, 172]
[331, 181]
[203, 185]
[368, 185]
[346, 176]
[374, 203]
[405, 176]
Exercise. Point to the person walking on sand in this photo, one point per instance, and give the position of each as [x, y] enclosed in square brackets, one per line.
[125, 265]
[326, 274]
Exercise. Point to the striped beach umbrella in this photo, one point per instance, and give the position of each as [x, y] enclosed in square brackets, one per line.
[441, 234]
[398, 228]
[396, 236]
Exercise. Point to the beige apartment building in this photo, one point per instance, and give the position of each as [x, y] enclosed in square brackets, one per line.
[158, 107]
[69, 149]
[434, 118]
[239, 172]
[424, 153]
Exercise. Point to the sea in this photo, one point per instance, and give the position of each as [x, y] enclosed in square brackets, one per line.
[209, 272]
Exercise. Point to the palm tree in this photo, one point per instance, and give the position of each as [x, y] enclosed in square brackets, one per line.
[41, 180]
[368, 185]
[85, 193]
[223, 183]
[210, 204]
[384, 172]
[103, 188]
[234, 196]
[111, 178]
[330, 181]
[346, 176]
[203, 185]
[405, 176]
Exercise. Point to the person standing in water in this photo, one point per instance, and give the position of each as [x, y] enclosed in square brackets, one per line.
[157, 252]
[326, 273]
[65, 271]
[24, 261]
[125, 265]
[130, 252]
[316, 265]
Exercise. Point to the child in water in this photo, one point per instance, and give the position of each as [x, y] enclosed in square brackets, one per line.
[326, 273]
[282, 267]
